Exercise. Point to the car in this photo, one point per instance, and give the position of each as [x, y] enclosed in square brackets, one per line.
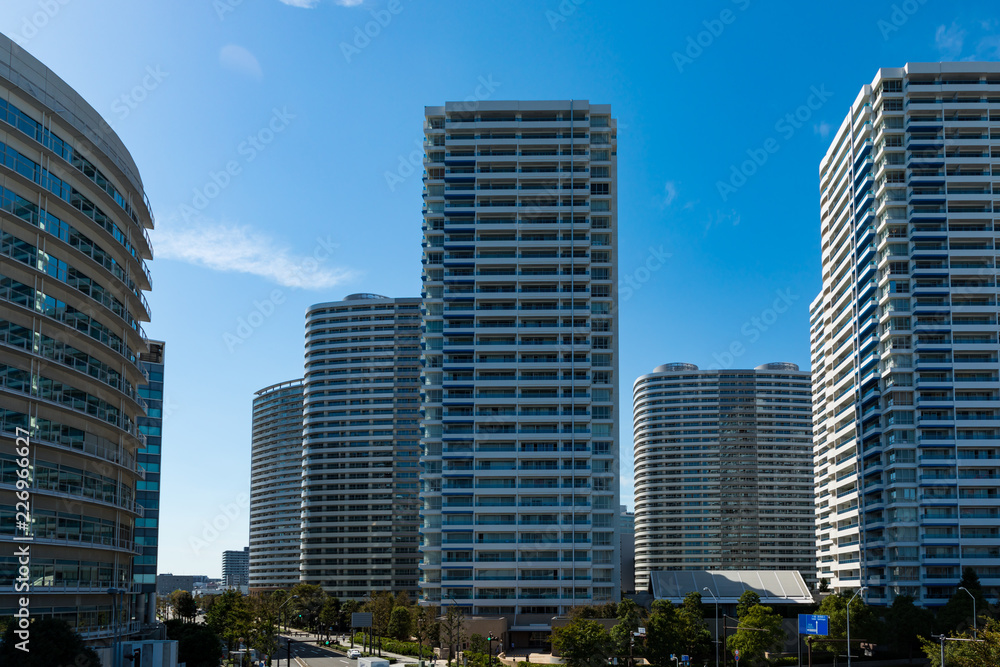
[353, 653]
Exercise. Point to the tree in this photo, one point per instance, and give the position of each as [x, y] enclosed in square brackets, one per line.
[608, 610]
[346, 610]
[178, 598]
[583, 643]
[305, 610]
[263, 635]
[621, 633]
[453, 622]
[329, 615]
[197, 644]
[747, 600]
[968, 654]
[906, 623]
[399, 623]
[230, 618]
[184, 605]
[956, 614]
[663, 634]
[694, 630]
[426, 627]
[205, 602]
[760, 631]
[380, 604]
[52, 642]
[865, 624]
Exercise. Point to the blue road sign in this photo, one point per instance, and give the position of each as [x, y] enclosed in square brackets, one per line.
[813, 624]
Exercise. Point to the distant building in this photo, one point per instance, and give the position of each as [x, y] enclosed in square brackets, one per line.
[276, 487]
[236, 567]
[723, 470]
[168, 583]
[626, 533]
[360, 461]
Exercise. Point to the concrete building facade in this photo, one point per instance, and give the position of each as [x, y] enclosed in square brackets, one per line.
[723, 470]
[904, 337]
[74, 243]
[519, 497]
[276, 487]
[360, 465]
[236, 567]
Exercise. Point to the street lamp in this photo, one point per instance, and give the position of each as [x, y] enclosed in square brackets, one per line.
[288, 646]
[860, 591]
[975, 623]
[710, 592]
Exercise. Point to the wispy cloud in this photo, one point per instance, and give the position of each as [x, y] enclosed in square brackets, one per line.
[949, 41]
[235, 248]
[670, 190]
[240, 60]
[822, 128]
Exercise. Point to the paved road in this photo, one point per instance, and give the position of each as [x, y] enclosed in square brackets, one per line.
[315, 656]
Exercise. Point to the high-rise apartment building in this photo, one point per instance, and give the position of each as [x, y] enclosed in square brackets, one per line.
[723, 470]
[147, 494]
[904, 337]
[360, 465]
[520, 436]
[73, 253]
[236, 567]
[626, 538]
[276, 487]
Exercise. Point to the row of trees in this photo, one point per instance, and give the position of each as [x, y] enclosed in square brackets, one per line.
[902, 630]
[670, 630]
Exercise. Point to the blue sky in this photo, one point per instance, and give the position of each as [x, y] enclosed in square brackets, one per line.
[276, 142]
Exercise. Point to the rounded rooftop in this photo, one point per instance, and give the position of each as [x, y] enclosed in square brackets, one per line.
[361, 296]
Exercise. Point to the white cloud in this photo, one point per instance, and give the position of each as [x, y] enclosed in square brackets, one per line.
[240, 60]
[822, 129]
[671, 193]
[949, 41]
[235, 248]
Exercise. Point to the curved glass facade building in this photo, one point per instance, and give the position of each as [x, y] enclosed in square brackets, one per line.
[361, 445]
[723, 470]
[276, 486]
[73, 253]
[520, 477]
